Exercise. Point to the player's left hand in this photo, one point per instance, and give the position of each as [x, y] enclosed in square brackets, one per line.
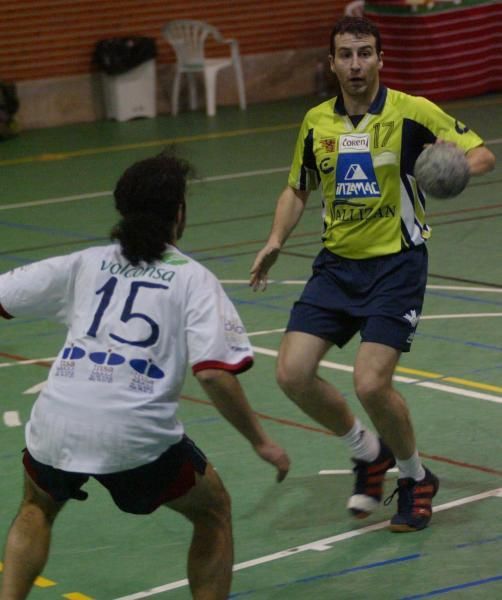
[276, 456]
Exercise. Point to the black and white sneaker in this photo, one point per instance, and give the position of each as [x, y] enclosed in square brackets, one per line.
[368, 487]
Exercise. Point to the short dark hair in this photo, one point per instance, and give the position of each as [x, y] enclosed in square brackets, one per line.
[148, 196]
[358, 26]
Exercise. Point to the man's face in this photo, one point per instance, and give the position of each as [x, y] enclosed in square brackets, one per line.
[356, 63]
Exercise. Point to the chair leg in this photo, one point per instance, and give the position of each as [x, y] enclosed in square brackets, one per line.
[240, 84]
[210, 83]
[192, 91]
[175, 93]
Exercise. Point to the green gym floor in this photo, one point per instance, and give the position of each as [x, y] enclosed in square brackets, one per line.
[293, 540]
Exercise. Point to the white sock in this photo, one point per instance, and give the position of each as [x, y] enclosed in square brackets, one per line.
[411, 467]
[363, 443]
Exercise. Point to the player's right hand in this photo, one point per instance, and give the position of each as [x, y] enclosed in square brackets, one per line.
[261, 266]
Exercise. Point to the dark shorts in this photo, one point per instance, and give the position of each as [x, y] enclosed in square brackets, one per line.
[380, 297]
[140, 490]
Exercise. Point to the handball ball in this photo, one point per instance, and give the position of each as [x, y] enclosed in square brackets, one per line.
[442, 170]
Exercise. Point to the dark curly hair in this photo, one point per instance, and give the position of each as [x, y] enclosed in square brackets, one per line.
[148, 196]
[357, 25]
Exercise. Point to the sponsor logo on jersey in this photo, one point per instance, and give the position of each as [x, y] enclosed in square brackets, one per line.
[460, 127]
[328, 144]
[171, 258]
[146, 367]
[73, 353]
[107, 358]
[101, 374]
[65, 367]
[354, 142]
[355, 175]
[128, 270]
[326, 166]
[235, 335]
[350, 212]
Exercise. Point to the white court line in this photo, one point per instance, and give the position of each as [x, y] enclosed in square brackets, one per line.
[31, 361]
[460, 316]
[11, 418]
[347, 471]
[35, 389]
[63, 199]
[422, 318]
[461, 288]
[317, 546]
[427, 384]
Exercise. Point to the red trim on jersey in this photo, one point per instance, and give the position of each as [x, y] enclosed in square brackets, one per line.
[240, 367]
[4, 313]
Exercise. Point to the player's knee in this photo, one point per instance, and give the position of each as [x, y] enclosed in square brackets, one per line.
[216, 514]
[293, 381]
[371, 389]
[35, 515]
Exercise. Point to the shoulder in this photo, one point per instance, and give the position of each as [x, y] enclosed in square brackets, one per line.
[412, 106]
[185, 266]
[316, 113]
[406, 102]
[94, 253]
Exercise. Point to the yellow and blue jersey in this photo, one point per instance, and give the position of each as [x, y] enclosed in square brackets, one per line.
[372, 205]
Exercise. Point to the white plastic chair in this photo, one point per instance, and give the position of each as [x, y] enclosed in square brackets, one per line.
[354, 8]
[188, 38]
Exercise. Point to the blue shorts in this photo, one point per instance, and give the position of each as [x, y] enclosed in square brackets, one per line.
[140, 490]
[380, 297]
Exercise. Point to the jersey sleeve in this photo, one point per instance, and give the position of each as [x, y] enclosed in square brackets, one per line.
[304, 174]
[446, 127]
[39, 289]
[216, 337]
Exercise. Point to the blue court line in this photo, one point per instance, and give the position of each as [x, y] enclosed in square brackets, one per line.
[498, 538]
[331, 575]
[463, 298]
[398, 560]
[15, 258]
[444, 338]
[51, 230]
[265, 303]
[483, 370]
[454, 588]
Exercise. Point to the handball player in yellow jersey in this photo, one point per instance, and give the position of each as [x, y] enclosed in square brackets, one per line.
[360, 149]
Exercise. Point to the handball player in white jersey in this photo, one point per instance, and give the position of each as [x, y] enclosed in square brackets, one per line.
[138, 312]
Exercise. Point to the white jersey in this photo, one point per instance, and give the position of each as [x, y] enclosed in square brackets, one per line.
[112, 394]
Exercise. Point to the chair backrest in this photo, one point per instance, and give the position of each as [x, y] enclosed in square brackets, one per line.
[188, 37]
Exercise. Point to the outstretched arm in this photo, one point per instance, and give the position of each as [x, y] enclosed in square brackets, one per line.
[289, 209]
[226, 393]
[481, 160]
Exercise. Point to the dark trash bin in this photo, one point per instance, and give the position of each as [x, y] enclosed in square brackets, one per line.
[116, 56]
[9, 105]
[128, 75]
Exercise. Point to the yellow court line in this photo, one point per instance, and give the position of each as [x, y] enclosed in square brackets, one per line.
[427, 374]
[464, 382]
[53, 156]
[43, 582]
[467, 382]
[77, 596]
[186, 139]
